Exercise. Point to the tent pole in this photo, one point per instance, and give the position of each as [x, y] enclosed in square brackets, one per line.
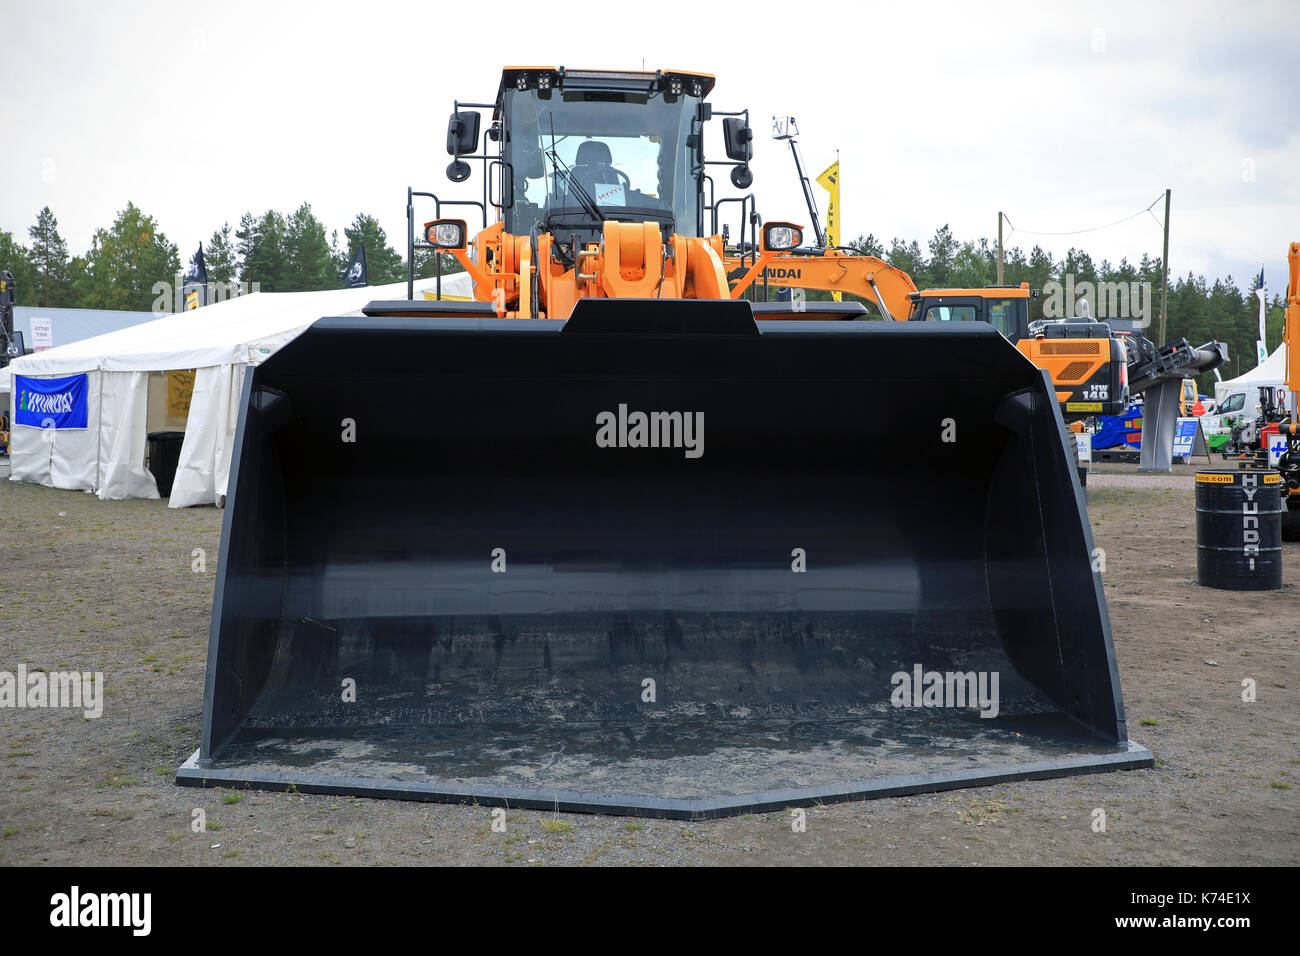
[99, 431]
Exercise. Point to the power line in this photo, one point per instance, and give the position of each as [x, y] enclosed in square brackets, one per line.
[1079, 232]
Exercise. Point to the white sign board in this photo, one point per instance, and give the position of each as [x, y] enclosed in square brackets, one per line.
[1185, 437]
[610, 194]
[1083, 442]
[42, 333]
[1276, 447]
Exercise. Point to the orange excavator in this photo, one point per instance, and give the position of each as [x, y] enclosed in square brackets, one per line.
[613, 537]
[1094, 368]
[1090, 363]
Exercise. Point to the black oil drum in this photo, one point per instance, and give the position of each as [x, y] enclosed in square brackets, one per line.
[164, 456]
[1239, 530]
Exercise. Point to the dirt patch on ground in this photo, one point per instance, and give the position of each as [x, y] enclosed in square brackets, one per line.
[112, 587]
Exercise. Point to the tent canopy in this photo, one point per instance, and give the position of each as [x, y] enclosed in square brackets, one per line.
[219, 342]
[1270, 372]
[225, 333]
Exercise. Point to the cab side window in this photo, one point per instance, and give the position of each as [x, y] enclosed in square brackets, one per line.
[1234, 403]
[951, 313]
[1002, 315]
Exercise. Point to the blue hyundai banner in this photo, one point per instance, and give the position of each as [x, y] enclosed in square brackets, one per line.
[50, 402]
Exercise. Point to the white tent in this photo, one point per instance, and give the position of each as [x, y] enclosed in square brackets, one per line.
[1271, 372]
[219, 342]
[6, 377]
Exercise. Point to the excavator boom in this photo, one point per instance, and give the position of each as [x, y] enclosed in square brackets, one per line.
[875, 280]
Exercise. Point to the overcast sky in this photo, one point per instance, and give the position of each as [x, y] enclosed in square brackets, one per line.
[942, 113]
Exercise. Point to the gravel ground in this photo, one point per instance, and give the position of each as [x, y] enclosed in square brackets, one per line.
[109, 586]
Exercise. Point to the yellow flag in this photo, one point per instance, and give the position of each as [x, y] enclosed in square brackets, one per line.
[830, 181]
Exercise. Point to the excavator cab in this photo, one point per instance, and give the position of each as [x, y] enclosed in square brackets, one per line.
[1006, 308]
[1088, 367]
[614, 538]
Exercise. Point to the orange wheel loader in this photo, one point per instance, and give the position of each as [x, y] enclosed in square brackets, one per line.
[614, 538]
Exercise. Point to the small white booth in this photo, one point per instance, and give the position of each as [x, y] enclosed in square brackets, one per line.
[182, 372]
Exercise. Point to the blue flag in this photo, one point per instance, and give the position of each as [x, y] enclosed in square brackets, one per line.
[50, 402]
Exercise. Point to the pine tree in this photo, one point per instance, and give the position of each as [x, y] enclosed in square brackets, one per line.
[125, 262]
[262, 250]
[1079, 264]
[220, 256]
[943, 252]
[383, 263]
[82, 283]
[1040, 269]
[969, 268]
[308, 263]
[425, 261]
[49, 258]
[867, 245]
[1016, 268]
[1124, 272]
[1274, 320]
[909, 258]
[14, 259]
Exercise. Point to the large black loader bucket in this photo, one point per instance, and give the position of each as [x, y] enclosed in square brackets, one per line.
[659, 560]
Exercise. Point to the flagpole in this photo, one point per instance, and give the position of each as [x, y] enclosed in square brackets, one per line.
[1261, 346]
[830, 181]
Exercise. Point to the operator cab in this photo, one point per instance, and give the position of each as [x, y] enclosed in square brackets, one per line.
[583, 147]
[1006, 308]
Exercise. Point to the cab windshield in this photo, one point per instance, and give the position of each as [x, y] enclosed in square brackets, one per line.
[617, 154]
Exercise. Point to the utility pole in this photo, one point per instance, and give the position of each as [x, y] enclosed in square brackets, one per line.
[1164, 262]
[1001, 261]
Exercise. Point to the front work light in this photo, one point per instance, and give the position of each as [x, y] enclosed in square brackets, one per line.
[780, 236]
[446, 233]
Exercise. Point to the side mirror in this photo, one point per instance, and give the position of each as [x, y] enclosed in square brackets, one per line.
[462, 134]
[739, 139]
[742, 177]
